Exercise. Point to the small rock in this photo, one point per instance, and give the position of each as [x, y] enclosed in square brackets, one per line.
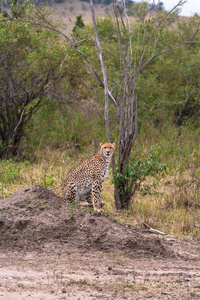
[64, 291]
[109, 268]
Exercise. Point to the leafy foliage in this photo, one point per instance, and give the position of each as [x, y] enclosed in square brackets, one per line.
[143, 165]
[171, 90]
[79, 24]
[170, 96]
[30, 58]
[9, 171]
[171, 93]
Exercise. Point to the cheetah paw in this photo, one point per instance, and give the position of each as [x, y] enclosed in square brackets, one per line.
[102, 204]
[98, 212]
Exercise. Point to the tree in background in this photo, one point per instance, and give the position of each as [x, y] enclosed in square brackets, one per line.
[79, 24]
[29, 71]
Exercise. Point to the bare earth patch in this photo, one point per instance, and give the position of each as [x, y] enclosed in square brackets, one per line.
[53, 250]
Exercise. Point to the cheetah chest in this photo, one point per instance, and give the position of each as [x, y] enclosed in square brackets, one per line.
[104, 173]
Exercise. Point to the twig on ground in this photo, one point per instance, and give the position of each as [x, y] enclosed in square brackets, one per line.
[148, 229]
[166, 293]
[152, 230]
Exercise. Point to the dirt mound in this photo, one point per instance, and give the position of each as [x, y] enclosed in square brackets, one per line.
[35, 217]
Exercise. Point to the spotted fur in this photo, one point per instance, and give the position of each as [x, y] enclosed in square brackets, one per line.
[85, 181]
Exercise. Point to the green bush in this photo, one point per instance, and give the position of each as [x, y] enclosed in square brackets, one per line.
[9, 171]
[143, 165]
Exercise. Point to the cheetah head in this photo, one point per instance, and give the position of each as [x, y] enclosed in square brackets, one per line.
[107, 150]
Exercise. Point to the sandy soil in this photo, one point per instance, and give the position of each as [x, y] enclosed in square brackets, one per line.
[50, 250]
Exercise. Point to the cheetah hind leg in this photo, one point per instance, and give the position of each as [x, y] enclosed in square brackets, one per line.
[70, 193]
[88, 198]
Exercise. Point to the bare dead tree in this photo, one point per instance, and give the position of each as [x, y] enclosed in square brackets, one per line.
[132, 62]
[125, 100]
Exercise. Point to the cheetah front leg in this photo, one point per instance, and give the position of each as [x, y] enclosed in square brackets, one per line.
[96, 194]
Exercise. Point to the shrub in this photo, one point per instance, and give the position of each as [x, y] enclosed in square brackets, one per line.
[143, 165]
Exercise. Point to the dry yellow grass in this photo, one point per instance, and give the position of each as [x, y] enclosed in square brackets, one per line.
[175, 210]
[70, 9]
[172, 210]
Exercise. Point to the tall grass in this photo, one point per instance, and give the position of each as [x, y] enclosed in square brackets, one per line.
[174, 209]
[48, 167]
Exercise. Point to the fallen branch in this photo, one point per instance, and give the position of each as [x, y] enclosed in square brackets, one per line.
[166, 293]
[148, 229]
[152, 230]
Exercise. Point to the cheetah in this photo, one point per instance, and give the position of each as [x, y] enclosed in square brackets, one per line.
[85, 181]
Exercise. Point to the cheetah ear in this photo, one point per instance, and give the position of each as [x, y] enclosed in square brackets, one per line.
[114, 144]
[101, 144]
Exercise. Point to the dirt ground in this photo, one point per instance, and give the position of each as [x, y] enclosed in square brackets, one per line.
[51, 250]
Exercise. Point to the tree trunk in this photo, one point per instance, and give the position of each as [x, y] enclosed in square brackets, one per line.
[122, 194]
[122, 199]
